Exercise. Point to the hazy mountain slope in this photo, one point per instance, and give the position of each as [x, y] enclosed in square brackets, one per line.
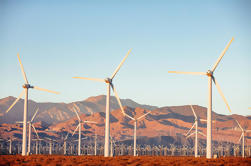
[57, 112]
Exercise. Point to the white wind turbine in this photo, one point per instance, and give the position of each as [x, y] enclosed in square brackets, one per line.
[110, 85]
[10, 145]
[26, 87]
[79, 129]
[30, 130]
[243, 131]
[65, 144]
[135, 129]
[210, 74]
[51, 147]
[196, 132]
[31, 125]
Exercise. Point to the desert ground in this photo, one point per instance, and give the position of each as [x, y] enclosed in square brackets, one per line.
[58, 160]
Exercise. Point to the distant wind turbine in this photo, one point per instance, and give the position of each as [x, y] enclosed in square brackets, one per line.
[79, 130]
[196, 132]
[110, 85]
[30, 130]
[10, 145]
[210, 74]
[65, 143]
[26, 87]
[31, 125]
[135, 129]
[243, 131]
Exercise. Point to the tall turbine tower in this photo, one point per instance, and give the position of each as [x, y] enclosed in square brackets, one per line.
[243, 131]
[26, 87]
[110, 85]
[196, 120]
[79, 129]
[210, 75]
[135, 129]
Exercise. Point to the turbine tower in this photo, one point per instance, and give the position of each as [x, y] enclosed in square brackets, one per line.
[26, 87]
[79, 129]
[243, 131]
[210, 75]
[196, 132]
[135, 129]
[110, 85]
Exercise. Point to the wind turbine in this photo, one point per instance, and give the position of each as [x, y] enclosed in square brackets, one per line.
[110, 85]
[65, 143]
[243, 131]
[26, 87]
[135, 129]
[31, 125]
[210, 74]
[196, 132]
[113, 142]
[50, 145]
[79, 130]
[10, 145]
[37, 140]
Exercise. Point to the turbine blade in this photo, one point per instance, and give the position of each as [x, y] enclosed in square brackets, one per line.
[46, 90]
[222, 54]
[239, 124]
[117, 97]
[66, 136]
[190, 129]
[203, 120]
[75, 129]
[21, 94]
[76, 113]
[92, 79]
[77, 107]
[143, 115]
[184, 72]
[202, 134]
[129, 116]
[34, 115]
[240, 137]
[22, 69]
[221, 93]
[19, 122]
[90, 122]
[121, 63]
[190, 135]
[193, 112]
[248, 131]
[35, 131]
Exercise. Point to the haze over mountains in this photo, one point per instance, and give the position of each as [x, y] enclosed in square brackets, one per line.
[166, 121]
[52, 113]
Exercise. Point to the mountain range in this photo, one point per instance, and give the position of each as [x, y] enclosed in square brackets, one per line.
[165, 122]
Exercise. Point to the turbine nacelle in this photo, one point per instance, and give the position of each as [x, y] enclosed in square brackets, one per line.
[209, 73]
[27, 86]
[108, 80]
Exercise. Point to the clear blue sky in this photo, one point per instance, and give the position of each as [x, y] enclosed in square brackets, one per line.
[61, 39]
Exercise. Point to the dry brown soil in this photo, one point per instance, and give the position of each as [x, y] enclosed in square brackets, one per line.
[49, 160]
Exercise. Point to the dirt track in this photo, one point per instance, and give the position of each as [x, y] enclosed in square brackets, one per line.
[122, 160]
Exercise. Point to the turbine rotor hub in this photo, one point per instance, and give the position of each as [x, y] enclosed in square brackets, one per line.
[27, 86]
[108, 80]
[209, 73]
